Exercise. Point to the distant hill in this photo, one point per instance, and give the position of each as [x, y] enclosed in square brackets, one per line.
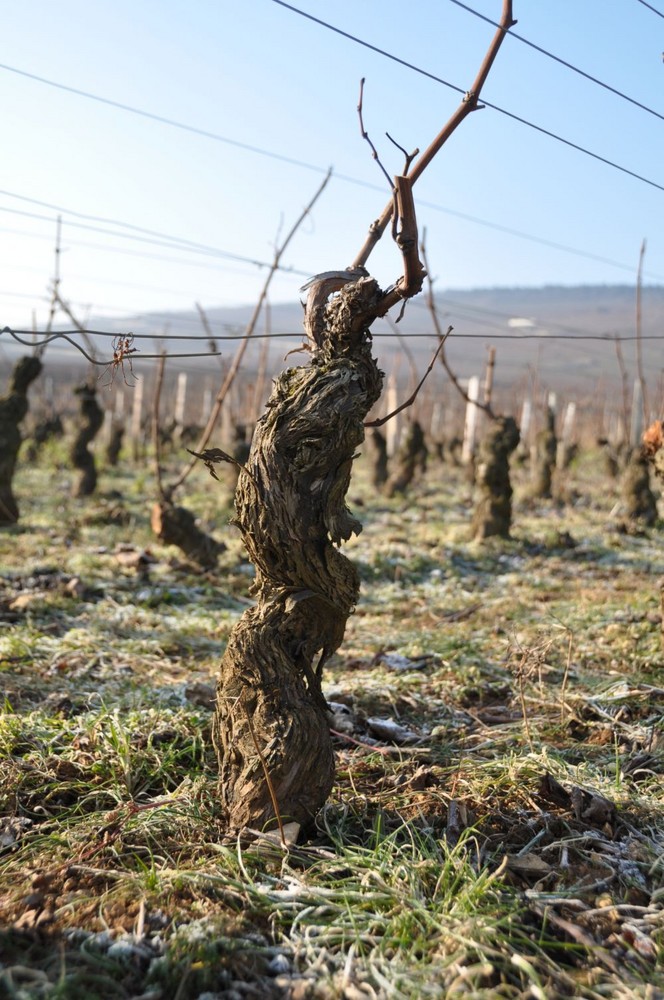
[543, 330]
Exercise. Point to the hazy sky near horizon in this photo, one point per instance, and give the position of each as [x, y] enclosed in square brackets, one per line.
[503, 204]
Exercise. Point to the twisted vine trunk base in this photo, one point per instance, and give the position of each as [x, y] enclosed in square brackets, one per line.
[271, 714]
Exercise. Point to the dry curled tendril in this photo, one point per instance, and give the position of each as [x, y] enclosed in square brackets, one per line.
[122, 350]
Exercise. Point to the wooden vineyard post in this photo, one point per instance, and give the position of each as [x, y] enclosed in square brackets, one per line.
[525, 425]
[636, 421]
[565, 447]
[180, 402]
[392, 428]
[470, 426]
[136, 418]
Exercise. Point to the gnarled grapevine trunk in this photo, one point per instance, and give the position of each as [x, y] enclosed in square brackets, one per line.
[379, 458]
[290, 507]
[13, 408]
[411, 458]
[493, 501]
[177, 526]
[115, 443]
[271, 720]
[546, 447]
[92, 418]
[639, 501]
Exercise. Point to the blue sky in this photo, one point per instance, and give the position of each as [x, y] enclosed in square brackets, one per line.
[259, 74]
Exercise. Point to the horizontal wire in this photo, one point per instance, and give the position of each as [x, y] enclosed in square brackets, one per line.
[146, 336]
[200, 248]
[126, 252]
[460, 90]
[537, 239]
[176, 242]
[650, 7]
[150, 115]
[609, 338]
[278, 156]
[563, 62]
[288, 269]
[177, 320]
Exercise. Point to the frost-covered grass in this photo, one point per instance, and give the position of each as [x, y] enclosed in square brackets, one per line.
[507, 842]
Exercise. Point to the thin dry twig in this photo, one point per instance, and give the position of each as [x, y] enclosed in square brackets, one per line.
[624, 379]
[212, 343]
[433, 311]
[55, 286]
[410, 357]
[639, 352]
[409, 157]
[261, 375]
[413, 396]
[563, 686]
[211, 456]
[242, 347]
[156, 442]
[403, 215]
[469, 103]
[66, 308]
[365, 134]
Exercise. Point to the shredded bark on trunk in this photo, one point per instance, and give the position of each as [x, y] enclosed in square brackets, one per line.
[290, 506]
[13, 409]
